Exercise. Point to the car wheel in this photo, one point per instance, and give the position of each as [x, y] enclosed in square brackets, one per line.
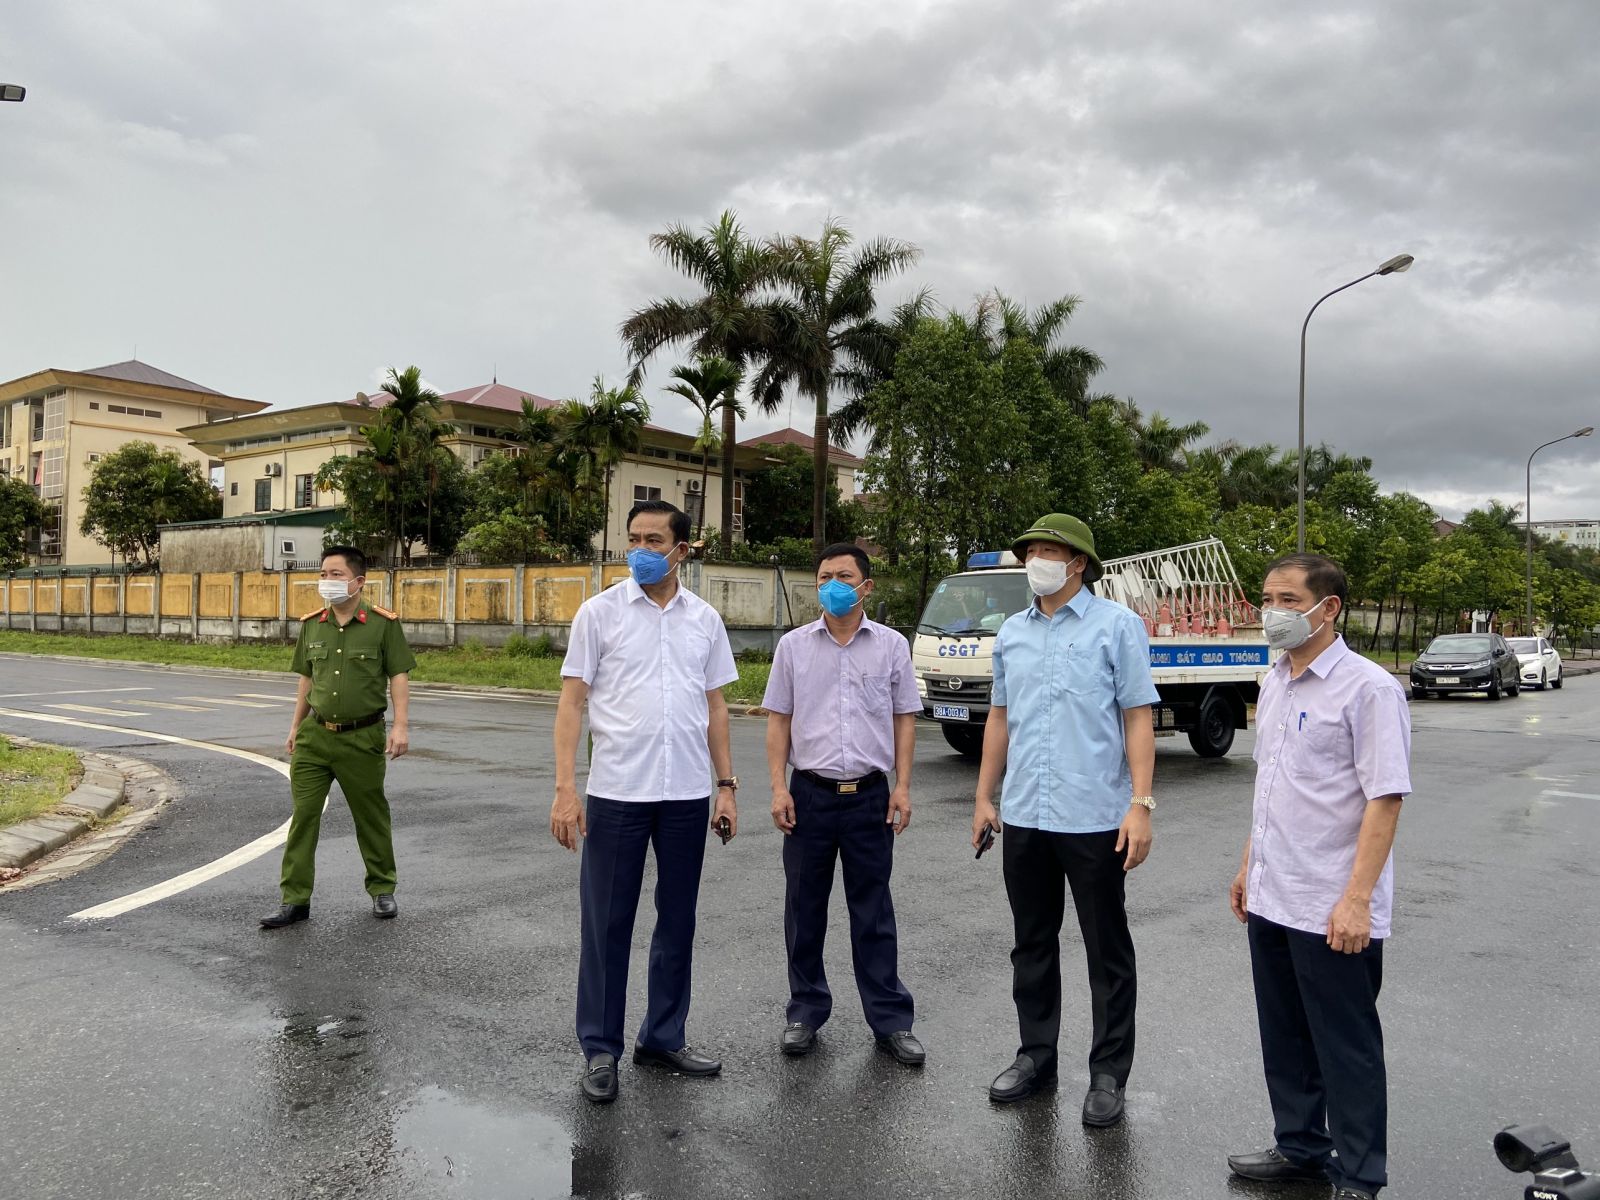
[1212, 736]
[1418, 693]
[1494, 689]
[1514, 688]
[1543, 682]
[1558, 680]
[965, 740]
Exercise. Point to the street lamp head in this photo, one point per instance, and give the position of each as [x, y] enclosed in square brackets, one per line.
[1397, 264]
[1585, 431]
[12, 91]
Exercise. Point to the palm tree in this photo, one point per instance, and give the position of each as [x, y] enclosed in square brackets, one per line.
[883, 345]
[712, 386]
[413, 414]
[602, 431]
[825, 327]
[998, 319]
[732, 318]
[1158, 443]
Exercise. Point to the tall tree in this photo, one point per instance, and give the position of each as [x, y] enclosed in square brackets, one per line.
[21, 511]
[412, 415]
[711, 385]
[1067, 368]
[138, 488]
[732, 318]
[824, 327]
[605, 429]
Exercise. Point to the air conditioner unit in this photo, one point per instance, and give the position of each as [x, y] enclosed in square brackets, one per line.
[274, 469]
[692, 487]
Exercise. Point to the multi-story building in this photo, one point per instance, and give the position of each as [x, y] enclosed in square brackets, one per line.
[1582, 533]
[270, 459]
[56, 425]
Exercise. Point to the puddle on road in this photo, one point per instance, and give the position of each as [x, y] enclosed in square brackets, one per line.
[474, 1152]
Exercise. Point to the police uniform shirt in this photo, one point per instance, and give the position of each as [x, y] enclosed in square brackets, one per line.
[350, 665]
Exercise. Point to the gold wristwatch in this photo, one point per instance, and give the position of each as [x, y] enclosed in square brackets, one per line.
[1148, 803]
[732, 783]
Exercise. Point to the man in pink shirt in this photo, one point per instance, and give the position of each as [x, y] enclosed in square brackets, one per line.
[842, 703]
[1333, 749]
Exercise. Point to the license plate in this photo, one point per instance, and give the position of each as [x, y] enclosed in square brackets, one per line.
[1448, 679]
[951, 712]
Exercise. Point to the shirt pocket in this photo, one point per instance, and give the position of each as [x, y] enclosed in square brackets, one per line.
[1324, 739]
[366, 666]
[316, 654]
[875, 692]
[1080, 671]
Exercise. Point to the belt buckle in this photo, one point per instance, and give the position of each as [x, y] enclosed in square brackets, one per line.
[331, 726]
[848, 789]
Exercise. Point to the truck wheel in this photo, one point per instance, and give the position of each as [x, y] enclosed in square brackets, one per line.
[1212, 737]
[966, 740]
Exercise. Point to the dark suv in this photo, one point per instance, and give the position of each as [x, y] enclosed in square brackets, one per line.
[1466, 662]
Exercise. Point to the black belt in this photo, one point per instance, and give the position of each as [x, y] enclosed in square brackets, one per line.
[843, 787]
[347, 726]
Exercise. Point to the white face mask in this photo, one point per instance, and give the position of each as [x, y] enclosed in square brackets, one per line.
[333, 590]
[1288, 629]
[1047, 576]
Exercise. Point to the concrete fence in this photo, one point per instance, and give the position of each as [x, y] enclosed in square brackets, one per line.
[443, 606]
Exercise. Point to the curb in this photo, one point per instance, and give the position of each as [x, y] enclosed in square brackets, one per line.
[99, 793]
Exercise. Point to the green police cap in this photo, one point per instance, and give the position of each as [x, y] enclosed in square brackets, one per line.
[1069, 532]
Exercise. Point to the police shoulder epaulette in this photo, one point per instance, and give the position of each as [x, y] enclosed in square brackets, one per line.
[383, 612]
[315, 612]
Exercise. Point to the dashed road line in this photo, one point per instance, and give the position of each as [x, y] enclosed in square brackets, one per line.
[179, 883]
[169, 705]
[234, 703]
[1570, 795]
[99, 712]
[73, 692]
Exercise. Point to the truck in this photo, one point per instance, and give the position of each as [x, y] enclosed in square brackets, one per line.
[1208, 653]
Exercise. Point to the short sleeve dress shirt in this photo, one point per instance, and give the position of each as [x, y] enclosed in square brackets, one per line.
[648, 670]
[1326, 744]
[843, 698]
[350, 665]
[1064, 682]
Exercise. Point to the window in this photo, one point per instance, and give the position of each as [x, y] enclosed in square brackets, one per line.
[263, 495]
[5, 425]
[303, 495]
[132, 412]
[641, 492]
[738, 506]
[94, 405]
[286, 546]
[233, 489]
[694, 503]
[50, 532]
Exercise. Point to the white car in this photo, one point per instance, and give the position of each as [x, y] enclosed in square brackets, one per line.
[1539, 660]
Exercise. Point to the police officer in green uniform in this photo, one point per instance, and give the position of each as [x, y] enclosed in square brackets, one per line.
[351, 655]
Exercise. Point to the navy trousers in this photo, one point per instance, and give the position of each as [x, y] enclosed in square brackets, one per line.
[1322, 1046]
[610, 878]
[1039, 868]
[850, 829]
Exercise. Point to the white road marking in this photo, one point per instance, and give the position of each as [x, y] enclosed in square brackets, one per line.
[167, 704]
[72, 692]
[280, 697]
[235, 703]
[1570, 795]
[178, 883]
[99, 712]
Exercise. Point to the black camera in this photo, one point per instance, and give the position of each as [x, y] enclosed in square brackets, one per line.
[1548, 1156]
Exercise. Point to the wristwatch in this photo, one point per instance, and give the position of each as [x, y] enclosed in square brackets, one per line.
[1148, 803]
[731, 783]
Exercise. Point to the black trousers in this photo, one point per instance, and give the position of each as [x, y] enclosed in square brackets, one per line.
[1039, 867]
[849, 829]
[1322, 1046]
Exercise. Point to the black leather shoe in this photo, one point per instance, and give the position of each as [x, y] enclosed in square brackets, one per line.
[686, 1061]
[905, 1047]
[600, 1080]
[288, 914]
[1103, 1105]
[1271, 1166]
[798, 1038]
[1019, 1081]
[384, 907]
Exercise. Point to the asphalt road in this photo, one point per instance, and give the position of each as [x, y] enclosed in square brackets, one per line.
[177, 1051]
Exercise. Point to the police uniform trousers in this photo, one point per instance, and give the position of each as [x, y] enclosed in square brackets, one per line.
[355, 760]
[1322, 1046]
[1039, 867]
[609, 880]
[850, 829]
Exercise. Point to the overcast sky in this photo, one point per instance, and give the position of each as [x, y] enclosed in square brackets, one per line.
[281, 200]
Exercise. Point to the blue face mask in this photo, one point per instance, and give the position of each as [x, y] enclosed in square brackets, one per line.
[648, 566]
[837, 597]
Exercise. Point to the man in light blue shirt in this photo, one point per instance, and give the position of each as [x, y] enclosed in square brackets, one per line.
[1069, 730]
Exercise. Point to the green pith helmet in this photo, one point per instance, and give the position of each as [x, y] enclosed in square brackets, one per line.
[1069, 532]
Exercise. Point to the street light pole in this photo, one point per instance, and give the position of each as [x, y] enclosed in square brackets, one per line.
[1527, 517]
[1397, 264]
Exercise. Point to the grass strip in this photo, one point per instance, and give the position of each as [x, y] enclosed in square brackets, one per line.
[469, 664]
[32, 780]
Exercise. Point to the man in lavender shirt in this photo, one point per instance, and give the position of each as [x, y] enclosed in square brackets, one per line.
[842, 707]
[1333, 748]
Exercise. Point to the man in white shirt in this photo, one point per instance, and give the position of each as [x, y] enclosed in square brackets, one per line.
[651, 660]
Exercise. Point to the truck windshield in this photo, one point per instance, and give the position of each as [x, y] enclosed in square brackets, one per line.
[975, 605]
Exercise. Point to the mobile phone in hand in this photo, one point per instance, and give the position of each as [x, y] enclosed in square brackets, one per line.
[724, 828]
[985, 841]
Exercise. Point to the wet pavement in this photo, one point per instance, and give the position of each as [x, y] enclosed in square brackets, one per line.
[177, 1051]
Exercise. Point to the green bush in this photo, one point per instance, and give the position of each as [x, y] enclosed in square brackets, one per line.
[518, 646]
